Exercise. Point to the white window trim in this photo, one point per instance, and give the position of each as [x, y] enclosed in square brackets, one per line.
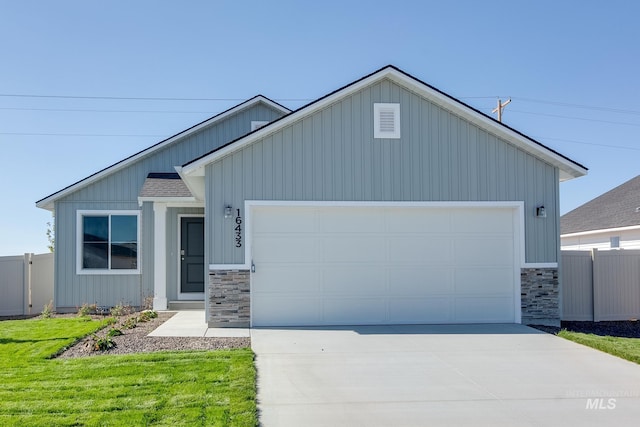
[79, 233]
[257, 124]
[377, 109]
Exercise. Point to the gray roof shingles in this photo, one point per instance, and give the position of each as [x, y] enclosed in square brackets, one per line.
[164, 185]
[613, 209]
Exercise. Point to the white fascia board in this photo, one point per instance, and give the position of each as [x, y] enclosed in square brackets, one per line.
[601, 231]
[47, 203]
[568, 169]
[195, 182]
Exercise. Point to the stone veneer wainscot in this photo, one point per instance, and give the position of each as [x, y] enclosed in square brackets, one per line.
[540, 296]
[229, 299]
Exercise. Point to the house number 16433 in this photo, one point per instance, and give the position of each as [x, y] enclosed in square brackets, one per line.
[238, 229]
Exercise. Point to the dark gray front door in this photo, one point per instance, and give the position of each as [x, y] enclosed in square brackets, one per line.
[192, 255]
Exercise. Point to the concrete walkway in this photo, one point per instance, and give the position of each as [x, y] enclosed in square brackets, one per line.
[447, 375]
[191, 323]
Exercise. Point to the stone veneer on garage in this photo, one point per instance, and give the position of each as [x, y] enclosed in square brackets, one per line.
[229, 299]
[540, 296]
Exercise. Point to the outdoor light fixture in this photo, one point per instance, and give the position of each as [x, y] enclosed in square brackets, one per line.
[541, 212]
[227, 211]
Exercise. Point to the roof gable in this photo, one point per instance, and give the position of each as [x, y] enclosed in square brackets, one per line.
[568, 168]
[48, 202]
[614, 209]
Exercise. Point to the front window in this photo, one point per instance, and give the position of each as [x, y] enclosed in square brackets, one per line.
[108, 241]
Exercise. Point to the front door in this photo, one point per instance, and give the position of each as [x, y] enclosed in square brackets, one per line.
[192, 257]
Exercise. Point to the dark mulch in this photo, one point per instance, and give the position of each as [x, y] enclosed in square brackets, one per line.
[625, 329]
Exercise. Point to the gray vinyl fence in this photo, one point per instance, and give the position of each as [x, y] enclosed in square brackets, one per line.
[601, 285]
[26, 283]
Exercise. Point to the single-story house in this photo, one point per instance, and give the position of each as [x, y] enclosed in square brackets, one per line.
[386, 201]
[610, 221]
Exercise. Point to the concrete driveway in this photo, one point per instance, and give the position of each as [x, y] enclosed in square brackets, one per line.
[494, 375]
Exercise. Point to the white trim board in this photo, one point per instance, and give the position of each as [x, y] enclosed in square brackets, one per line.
[79, 235]
[601, 231]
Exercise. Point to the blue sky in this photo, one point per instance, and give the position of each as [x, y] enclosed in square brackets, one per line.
[570, 67]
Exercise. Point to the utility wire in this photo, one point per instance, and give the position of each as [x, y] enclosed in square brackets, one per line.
[78, 110]
[133, 98]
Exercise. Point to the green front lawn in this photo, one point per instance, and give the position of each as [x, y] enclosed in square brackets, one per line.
[169, 388]
[626, 348]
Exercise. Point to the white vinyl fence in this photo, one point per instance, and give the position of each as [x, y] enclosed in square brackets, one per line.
[601, 285]
[26, 283]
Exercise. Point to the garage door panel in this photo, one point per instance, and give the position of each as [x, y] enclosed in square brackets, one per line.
[290, 220]
[421, 281]
[350, 220]
[420, 250]
[370, 265]
[482, 220]
[290, 279]
[417, 220]
[480, 281]
[353, 249]
[421, 310]
[290, 249]
[485, 251]
[292, 311]
[354, 280]
[486, 309]
[354, 311]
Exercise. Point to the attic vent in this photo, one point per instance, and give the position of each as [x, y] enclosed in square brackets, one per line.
[257, 124]
[386, 120]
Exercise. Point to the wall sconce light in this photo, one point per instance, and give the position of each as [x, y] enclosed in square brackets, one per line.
[227, 211]
[541, 212]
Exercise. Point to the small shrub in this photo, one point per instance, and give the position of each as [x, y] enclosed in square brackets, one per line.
[130, 323]
[113, 332]
[147, 315]
[103, 344]
[110, 321]
[121, 310]
[86, 309]
[147, 303]
[47, 310]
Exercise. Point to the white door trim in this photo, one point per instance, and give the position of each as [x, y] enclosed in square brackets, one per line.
[191, 296]
[518, 227]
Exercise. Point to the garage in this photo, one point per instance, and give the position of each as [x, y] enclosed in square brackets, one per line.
[370, 264]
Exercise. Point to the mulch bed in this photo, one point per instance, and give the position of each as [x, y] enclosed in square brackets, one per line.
[135, 340]
[625, 329]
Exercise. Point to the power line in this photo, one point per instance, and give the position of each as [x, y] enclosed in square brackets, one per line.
[79, 134]
[78, 110]
[588, 143]
[575, 118]
[588, 107]
[135, 98]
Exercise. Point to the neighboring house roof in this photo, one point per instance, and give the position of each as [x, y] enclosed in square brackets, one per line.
[48, 202]
[616, 208]
[162, 185]
[568, 168]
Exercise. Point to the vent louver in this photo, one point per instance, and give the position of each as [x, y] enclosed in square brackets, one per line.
[386, 121]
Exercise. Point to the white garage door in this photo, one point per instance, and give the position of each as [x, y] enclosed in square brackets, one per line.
[383, 265]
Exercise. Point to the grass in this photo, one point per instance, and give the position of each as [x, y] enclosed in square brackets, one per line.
[626, 348]
[169, 388]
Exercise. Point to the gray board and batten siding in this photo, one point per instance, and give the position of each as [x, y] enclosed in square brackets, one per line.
[331, 155]
[119, 191]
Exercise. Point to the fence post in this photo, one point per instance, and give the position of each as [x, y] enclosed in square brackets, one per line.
[594, 285]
